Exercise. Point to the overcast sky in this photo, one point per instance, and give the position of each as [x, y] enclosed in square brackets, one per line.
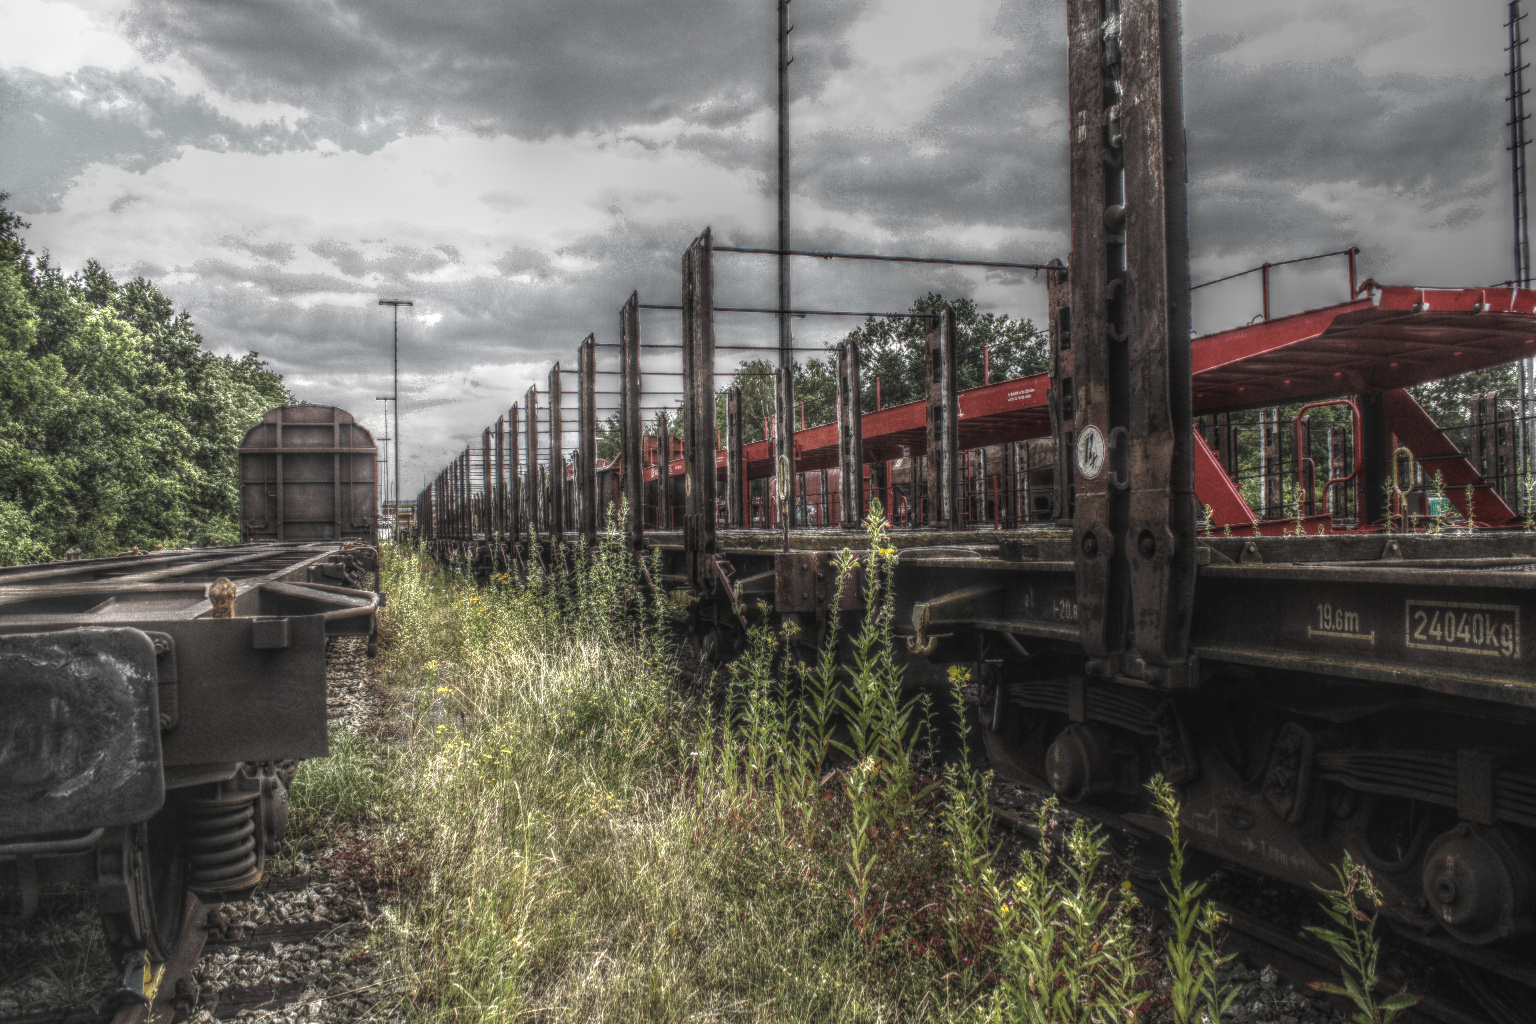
[517, 167]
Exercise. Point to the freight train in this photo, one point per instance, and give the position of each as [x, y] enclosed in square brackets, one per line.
[154, 705]
[1326, 653]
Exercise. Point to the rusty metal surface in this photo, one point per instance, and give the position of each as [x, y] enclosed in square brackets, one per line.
[308, 472]
[699, 440]
[735, 472]
[80, 737]
[1159, 542]
[1099, 380]
[850, 436]
[942, 455]
[586, 458]
[532, 506]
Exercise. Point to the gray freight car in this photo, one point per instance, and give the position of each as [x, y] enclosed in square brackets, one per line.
[153, 706]
[308, 473]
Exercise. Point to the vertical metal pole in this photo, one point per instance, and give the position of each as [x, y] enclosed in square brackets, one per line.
[1335, 469]
[850, 439]
[784, 453]
[699, 469]
[514, 478]
[531, 453]
[394, 528]
[396, 304]
[1270, 478]
[1062, 394]
[498, 503]
[735, 476]
[556, 457]
[485, 483]
[1160, 540]
[1264, 277]
[1517, 152]
[943, 454]
[783, 474]
[1517, 145]
[663, 472]
[586, 427]
[629, 423]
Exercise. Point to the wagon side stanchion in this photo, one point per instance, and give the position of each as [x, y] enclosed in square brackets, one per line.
[555, 514]
[941, 510]
[699, 464]
[532, 520]
[632, 469]
[1160, 538]
[735, 470]
[586, 457]
[850, 438]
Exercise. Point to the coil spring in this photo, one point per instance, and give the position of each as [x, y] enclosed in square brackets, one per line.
[221, 841]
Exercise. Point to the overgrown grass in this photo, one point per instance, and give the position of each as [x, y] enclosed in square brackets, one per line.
[597, 830]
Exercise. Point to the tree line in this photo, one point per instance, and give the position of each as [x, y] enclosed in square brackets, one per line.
[116, 428]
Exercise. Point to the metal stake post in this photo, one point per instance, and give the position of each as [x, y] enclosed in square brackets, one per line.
[629, 423]
[396, 304]
[586, 456]
[556, 512]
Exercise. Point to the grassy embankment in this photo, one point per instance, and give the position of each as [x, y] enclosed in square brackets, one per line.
[583, 838]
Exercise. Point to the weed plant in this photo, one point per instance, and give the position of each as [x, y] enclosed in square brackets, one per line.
[590, 840]
[1352, 937]
[1194, 985]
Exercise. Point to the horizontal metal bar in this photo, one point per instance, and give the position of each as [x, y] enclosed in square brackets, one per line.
[1278, 263]
[888, 259]
[793, 312]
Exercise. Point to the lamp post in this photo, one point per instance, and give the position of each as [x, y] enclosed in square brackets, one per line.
[384, 491]
[397, 303]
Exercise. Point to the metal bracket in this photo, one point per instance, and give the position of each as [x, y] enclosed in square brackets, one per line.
[957, 607]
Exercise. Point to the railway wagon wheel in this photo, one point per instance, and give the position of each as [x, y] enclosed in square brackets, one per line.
[142, 885]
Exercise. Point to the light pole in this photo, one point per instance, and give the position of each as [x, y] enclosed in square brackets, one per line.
[397, 303]
[384, 491]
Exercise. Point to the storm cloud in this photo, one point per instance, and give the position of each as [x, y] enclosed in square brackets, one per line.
[518, 168]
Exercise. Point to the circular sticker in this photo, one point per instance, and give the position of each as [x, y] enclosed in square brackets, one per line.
[1090, 452]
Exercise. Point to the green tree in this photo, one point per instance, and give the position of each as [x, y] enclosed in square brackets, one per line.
[116, 428]
[891, 348]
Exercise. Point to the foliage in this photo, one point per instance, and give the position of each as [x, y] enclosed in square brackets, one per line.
[1067, 946]
[1191, 951]
[590, 835]
[1353, 940]
[891, 348]
[1447, 400]
[116, 429]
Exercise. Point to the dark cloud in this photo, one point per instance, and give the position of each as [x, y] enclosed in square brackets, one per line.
[399, 263]
[532, 68]
[519, 260]
[52, 127]
[1429, 138]
[272, 252]
[991, 150]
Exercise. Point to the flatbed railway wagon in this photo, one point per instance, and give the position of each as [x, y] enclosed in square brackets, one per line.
[153, 706]
[1353, 675]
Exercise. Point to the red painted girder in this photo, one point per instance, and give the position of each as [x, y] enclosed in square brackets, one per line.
[1216, 490]
[1358, 346]
[1416, 431]
[1336, 350]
